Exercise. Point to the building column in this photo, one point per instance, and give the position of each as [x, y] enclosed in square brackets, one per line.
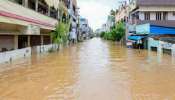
[36, 5]
[51, 41]
[159, 51]
[49, 10]
[149, 44]
[28, 41]
[173, 54]
[42, 40]
[25, 3]
[16, 42]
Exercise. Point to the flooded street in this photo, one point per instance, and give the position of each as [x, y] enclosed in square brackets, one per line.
[93, 70]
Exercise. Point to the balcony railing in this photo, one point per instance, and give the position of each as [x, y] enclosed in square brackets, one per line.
[42, 7]
[12, 10]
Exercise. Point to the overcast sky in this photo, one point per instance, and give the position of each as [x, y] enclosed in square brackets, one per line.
[96, 11]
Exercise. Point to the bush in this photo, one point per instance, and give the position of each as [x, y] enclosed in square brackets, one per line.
[102, 34]
[120, 31]
[60, 34]
[116, 33]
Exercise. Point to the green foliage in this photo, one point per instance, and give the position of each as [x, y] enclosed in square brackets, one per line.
[112, 12]
[60, 34]
[116, 33]
[120, 31]
[102, 34]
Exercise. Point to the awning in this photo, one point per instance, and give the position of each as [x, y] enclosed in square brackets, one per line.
[136, 38]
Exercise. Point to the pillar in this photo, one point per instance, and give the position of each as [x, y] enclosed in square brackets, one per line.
[36, 5]
[173, 54]
[51, 41]
[49, 10]
[149, 49]
[25, 3]
[28, 41]
[42, 40]
[159, 51]
[149, 44]
[16, 42]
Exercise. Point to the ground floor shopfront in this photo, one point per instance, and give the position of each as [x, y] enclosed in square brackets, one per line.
[17, 46]
[12, 42]
[17, 40]
[161, 47]
[155, 38]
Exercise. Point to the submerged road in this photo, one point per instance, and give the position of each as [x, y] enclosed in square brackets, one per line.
[93, 70]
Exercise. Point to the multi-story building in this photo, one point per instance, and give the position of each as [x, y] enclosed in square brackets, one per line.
[73, 12]
[159, 12]
[84, 28]
[25, 25]
[122, 14]
[152, 19]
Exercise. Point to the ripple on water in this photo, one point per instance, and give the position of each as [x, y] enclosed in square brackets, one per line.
[92, 70]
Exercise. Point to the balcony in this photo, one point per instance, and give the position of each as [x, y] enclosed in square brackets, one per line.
[15, 11]
[167, 23]
[39, 6]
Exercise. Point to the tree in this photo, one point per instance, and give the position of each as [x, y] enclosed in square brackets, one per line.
[120, 31]
[60, 34]
[112, 12]
[116, 33]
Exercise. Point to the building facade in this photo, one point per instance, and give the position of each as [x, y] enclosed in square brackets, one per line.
[84, 28]
[153, 11]
[152, 19]
[27, 24]
[122, 14]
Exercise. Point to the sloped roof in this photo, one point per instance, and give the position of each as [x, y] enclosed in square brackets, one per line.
[156, 2]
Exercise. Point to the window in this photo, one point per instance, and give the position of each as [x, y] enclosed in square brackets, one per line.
[147, 15]
[158, 16]
[165, 15]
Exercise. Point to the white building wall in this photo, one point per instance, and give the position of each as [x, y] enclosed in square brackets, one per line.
[13, 8]
[45, 48]
[141, 15]
[152, 16]
[6, 57]
[173, 50]
[171, 16]
[157, 8]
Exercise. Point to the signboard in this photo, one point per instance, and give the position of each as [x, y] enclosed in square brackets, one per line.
[33, 30]
[143, 29]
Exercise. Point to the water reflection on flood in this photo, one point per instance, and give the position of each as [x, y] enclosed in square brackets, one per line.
[93, 70]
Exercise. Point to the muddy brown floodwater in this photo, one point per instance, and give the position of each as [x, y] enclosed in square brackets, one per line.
[93, 70]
